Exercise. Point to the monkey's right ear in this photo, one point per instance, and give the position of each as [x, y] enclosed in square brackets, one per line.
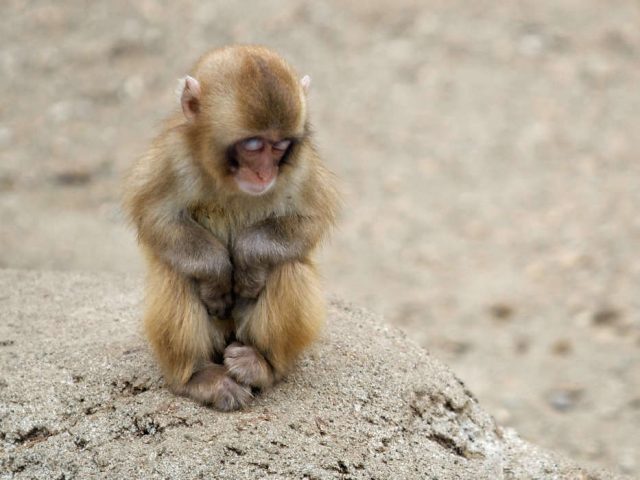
[189, 91]
[306, 83]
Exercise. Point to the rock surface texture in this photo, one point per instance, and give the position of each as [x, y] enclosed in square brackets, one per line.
[81, 397]
[488, 152]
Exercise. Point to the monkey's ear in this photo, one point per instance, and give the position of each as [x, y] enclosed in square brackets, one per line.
[306, 83]
[189, 91]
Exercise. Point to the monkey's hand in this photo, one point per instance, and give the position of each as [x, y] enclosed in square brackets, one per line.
[249, 281]
[252, 261]
[215, 293]
[193, 251]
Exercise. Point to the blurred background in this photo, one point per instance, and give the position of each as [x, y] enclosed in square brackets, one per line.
[488, 152]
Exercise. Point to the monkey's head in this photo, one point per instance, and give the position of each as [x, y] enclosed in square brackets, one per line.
[246, 117]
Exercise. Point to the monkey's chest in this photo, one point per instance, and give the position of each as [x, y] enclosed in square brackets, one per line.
[225, 224]
[218, 221]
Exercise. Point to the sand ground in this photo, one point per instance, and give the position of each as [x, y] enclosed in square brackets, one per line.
[488, 154]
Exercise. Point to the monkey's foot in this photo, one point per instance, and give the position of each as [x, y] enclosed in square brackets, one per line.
[247, 365]
[212, 386]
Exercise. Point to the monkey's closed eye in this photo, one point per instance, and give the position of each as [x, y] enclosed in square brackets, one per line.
[253, 144]
[282, 145]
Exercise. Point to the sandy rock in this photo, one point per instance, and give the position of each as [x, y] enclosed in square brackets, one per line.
[81, 397]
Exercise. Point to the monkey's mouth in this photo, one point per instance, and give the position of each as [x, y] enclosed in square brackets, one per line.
[255, 181]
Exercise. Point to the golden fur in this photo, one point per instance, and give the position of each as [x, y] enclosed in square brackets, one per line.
[182, 172]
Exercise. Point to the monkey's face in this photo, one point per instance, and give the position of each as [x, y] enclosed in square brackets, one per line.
[246, 109]
[254, 163]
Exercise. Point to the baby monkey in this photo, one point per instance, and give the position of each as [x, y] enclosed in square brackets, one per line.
[230, 202]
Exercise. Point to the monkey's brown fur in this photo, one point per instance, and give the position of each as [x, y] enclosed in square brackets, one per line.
[195, 227]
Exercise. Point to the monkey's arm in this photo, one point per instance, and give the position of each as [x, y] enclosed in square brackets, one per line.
[272, 242]
[274, 324]
[279, 239]
[185, 245]
[179, 241]
[286, 238]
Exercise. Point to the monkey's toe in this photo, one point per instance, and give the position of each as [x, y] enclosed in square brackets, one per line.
[246, 365]
[212, 386]
[229, 395]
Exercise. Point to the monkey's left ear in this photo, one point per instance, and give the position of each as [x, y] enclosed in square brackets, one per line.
[306, 83]
[190, 97]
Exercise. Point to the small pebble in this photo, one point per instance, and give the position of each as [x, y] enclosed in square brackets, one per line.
[606, 316]
[73, 177]
[564, 399]
[561, 347]
[501, 311]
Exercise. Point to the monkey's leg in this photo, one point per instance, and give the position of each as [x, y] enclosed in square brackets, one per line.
[185, 339]
[275, 329]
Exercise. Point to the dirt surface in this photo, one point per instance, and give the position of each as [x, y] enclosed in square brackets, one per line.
[365, 403]
[488, 152]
